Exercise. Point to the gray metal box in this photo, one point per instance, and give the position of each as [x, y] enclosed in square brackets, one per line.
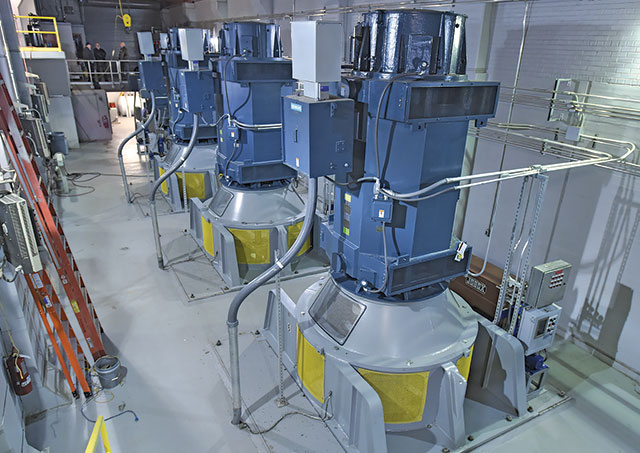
[196, 91]
[317, 135]
[191, 44]
[152, 77]
[316, 49]
[18, 237]
[548, 283]
[145, 42]
[92, 117]
[537, 327]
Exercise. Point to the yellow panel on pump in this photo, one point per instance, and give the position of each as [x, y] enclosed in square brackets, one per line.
[252, 246]
[292, 234]
[195, 185]
[163, 186]
[310, 364]
[464, 365]
[403, 395]
[207, 236]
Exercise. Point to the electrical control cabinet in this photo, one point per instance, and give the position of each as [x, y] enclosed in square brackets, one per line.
[548, 283]
[537, 327]
[152, 77]
[196, 91]
[382, 210]
[318, 135]
[18, 237]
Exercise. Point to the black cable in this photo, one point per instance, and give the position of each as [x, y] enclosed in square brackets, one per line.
[350, 183]
[15, 276]
[243, 104]
[384, 91]
[226, 89]
[233, 154]
[88, 400]
[288, 414]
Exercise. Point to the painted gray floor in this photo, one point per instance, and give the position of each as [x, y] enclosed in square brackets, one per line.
[174, 382]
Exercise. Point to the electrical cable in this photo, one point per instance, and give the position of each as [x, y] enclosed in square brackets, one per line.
[224, 76]
[233, 155]
[244, 103]
[486, 253]
[232, 120]
[4, 317]
[93, 397]
[379, 110]
[386, 264]
[350, 183]
[178, 118]
[97, 393]
[325, 417]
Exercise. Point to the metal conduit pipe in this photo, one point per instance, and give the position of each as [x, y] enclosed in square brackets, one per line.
[142, 127]
[503, 175]
[152, 198]
[232, 316]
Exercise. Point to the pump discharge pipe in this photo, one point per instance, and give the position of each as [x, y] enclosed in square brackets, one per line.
[152, 198]
[142, 127]
[232, 317]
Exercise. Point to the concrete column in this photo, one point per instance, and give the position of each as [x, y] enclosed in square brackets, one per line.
[14, 57]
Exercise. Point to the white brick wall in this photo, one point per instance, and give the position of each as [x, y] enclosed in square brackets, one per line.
[598, 40]
[588, 40]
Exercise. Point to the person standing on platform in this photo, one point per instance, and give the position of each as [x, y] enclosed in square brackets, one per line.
[100, 54]
[123, 55]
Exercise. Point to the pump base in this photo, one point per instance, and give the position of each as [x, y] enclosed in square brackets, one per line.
[240, 230]
[199, 171]
[394, 387]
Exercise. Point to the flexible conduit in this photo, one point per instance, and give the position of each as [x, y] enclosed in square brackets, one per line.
[232, 316]
[152, 198]
[142, 127]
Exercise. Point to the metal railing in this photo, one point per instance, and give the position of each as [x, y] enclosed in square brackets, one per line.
[110, 72]
[34, 39]
[99, 429]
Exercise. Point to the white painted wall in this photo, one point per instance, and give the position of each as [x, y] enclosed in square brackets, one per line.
[589, 213]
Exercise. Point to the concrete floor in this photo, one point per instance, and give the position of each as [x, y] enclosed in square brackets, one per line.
[173, 380]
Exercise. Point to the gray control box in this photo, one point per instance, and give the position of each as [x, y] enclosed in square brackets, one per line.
[317, 135]
[17, 235]
[548, 283]
[538, 327]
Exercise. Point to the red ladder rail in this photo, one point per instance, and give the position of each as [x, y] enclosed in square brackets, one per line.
[38, 283]
[49, 223]
[52, 337]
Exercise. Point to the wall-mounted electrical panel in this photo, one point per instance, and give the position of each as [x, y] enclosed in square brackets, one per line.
[18, 237]
[548, 283]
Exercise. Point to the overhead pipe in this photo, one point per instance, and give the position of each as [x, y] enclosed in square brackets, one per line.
[14, 55]
[362, 8]
[232, 316]
[152, 198]
[142, 127]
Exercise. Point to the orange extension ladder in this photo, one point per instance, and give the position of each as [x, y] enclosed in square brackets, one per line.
[57, 245]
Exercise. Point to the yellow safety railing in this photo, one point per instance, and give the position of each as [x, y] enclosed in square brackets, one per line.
[57, 48]
[98, 428]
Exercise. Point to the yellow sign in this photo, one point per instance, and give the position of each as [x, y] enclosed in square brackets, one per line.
[126, 20]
